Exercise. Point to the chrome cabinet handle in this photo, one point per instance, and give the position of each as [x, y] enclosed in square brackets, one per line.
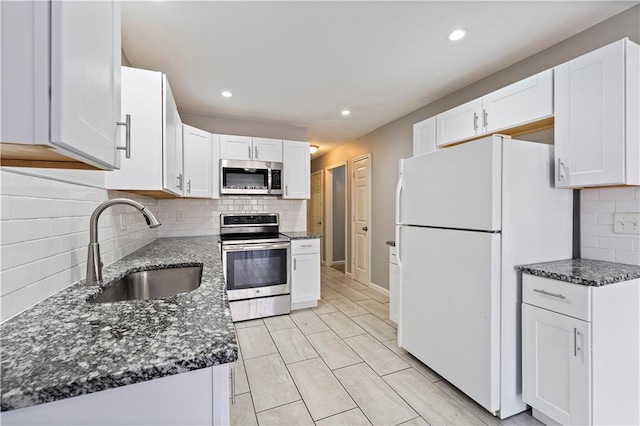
[475, 122]
[249, 148]
[179, 177]
[286, 190]
[295, 265]
[127, 139]
[306, 245]
[485, 119]
[189, 186]
[575, 341]
[546, 293]
[561, 168]
[255, 151]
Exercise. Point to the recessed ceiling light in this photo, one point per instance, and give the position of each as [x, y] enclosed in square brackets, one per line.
[314, 148]
[345, 112]
[458, 34]
[226, 94]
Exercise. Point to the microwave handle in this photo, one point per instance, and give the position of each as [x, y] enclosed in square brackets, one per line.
[269, 180]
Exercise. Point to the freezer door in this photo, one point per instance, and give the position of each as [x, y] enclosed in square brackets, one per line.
[457, 187]
[450, 307]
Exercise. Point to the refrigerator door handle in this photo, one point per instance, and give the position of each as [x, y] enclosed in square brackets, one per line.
[398, 210]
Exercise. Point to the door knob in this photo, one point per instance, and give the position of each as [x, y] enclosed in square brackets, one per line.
[365, 228]
[319, 223]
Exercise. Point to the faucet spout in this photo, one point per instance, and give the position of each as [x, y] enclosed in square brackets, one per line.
[94, 263]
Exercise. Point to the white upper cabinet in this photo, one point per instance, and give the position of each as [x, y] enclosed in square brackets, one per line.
[459, 123]
[518, 104]
[199, 162]
[297, 169]
[527, 100]
[424, 136]
[265, 149]
[156, 132]
[60, 84]
[173, 175]
[248, 148]
[597, 129]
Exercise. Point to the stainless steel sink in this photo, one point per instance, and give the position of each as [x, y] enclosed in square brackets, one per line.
[152, 284]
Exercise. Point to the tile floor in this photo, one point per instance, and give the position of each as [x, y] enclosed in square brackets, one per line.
[339, 364]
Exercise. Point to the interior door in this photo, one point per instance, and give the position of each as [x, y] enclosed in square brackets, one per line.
[450, 307]
[361, 211]
[316, 208]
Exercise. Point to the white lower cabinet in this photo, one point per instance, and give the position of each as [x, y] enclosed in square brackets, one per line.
[581, 351]
[199, 397]
[305, 273]
[394, 285]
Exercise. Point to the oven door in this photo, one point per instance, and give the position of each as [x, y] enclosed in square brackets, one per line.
[256, 270]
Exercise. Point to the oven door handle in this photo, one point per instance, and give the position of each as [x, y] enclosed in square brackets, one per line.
[248, 247]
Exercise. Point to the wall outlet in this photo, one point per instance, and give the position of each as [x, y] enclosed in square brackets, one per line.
[284, 214]
[179, 216]
[626, 223]
[123, 222]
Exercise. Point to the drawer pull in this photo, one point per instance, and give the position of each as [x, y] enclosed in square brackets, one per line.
[306, 245]
[575, 341]
[546, 293]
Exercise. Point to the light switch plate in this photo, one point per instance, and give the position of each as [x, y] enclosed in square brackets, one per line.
[626, 223]
[179, 216]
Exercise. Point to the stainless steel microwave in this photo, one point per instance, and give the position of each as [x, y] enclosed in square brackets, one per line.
[250, 177]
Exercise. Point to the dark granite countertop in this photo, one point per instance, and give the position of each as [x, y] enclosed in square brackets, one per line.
[65, 346]
[300, 235]
[391, 243]
[583, 271]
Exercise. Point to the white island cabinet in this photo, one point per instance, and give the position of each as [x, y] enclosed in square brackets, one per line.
[60, 78]
[305, 273]
[198, 397]
[581, 351]
[597, 125]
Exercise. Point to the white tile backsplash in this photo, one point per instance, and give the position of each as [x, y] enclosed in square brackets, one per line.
[598, 241]
[44, 228]
[202, 217]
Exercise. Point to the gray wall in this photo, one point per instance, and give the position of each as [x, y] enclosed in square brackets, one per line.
[339, 225]
[393, 141]
[234, 126]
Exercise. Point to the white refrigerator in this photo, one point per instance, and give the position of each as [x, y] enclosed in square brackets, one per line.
[466, 216]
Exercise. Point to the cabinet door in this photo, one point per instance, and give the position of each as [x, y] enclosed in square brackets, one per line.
[267, 149]
[198, 162]
[424, 136]
[297, 169]
[556, 365]
[173, 177]
[215, 190]
[459, 123]
[523, 102]
[85, 78]
[142, 99]
[235, 147]
[589, 105]
[305, 278]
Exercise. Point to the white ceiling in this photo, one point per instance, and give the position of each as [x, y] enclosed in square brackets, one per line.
[301, 63]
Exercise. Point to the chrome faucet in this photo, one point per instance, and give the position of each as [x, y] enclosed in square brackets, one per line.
[94, 263]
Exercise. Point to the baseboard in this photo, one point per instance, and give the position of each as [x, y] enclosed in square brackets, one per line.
[337, 262]
[348, 274]
[379, 289]
[304, 305]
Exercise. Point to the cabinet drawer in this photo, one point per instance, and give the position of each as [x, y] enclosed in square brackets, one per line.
[558, 296]
[393, 258]
[305, 246]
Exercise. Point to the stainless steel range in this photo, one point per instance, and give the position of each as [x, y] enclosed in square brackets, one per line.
[255, 258]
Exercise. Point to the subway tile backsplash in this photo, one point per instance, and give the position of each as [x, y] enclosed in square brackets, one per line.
[44, 230]
[185, 217]
[598, 241]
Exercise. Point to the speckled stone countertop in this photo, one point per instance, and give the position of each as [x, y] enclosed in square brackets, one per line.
[65, 346]
[391, 243]
[300, 235]
[583, 271]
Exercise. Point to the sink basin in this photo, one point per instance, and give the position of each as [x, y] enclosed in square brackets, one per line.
[152, 284]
